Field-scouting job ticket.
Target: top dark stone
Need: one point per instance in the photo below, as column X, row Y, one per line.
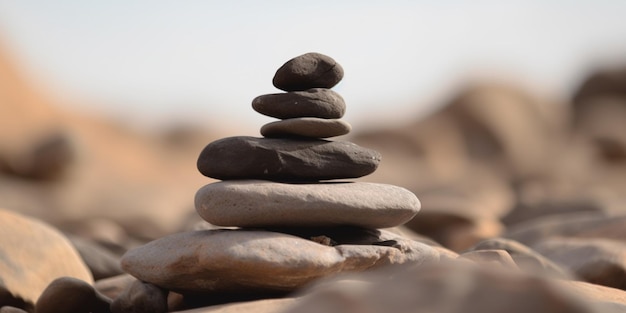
column 310, row 70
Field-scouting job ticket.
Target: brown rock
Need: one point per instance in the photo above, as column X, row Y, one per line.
column 112, row 287
column 526, row 258
column 489, row 258
column 71, row 295
column 32, row 255
column 306, row 71
column 445, row 287
column 101, row 262
column 240, row 261
column 306, row 127
column 140, row 297
column 580, row 225
column 314, row 102
column 598, row 261
column 285, row 159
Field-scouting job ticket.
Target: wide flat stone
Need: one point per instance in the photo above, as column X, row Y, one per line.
column 244, row 261
column 306, row 127
column 245, row 157
column 308, row 71
column 257, row 203
column 315, row 102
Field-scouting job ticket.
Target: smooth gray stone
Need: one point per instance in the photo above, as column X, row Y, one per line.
column 245, row 261
column 258, row 203
column 308, row 71
column 284, row 159
column 311, row 127
column 315, row 102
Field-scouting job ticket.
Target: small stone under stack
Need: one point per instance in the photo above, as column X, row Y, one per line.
column 293, row 224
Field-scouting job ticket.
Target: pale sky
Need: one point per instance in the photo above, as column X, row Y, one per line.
column 204, row 61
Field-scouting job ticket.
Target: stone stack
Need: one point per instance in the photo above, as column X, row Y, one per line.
column 294, row 222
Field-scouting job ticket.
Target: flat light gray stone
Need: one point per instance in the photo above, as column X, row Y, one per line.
column 257, row 203
column 306, row 127
column 282, row 159
column 314, row 102
column 307, row 71
column 244, row 261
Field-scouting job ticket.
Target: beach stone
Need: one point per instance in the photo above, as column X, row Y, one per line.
column 32, row 255
column 243, row 157
column 598, row 261
column 446, row 287
column 102, row 262
column 71, row 295
column 141, row 297
column 491, row 258
column 258, row 203
column 578, row 225
column 526, row 258
column 306, row 127
column 112, row 287
column 249, row 261
column 314, row 102
column 307, row 71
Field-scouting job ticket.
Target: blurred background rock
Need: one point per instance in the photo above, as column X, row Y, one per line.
column 485, row 149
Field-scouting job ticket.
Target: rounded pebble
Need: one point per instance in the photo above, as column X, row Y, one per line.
column 306, row 71
column 306, row 127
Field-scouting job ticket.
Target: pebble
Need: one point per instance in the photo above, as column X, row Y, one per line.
column 306, row 127
column 598, row 261
column 32, row 255
column 258, row 203
column 281, row 159
column 308, row 71
column 450, row 287
column 140, row 297
column 71, row 295
column 243, row 261
column 314, row 102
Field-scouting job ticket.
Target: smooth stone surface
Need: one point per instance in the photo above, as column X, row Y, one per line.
column 243, row 157
column 598, row 261
column 526, row 258
column 491, row 258
column 315, row 102
column 257, row 203
column 306, row 127
column 307, row 71
column 244, row 261
column 443, row 287
column 32, row 255
column 71, row 295
column 102, row 262
column 140, row 297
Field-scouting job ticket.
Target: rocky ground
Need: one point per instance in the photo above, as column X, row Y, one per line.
column 523, row 208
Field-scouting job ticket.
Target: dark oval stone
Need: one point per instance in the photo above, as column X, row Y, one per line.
column 314, row 102
column 306, row 71
column 245, row 157
column 311, row 127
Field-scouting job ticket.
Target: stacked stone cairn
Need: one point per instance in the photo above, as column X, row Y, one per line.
column 292, row 216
